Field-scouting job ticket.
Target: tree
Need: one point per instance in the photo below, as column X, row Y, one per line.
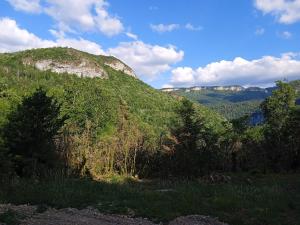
column 291, row 134
column 29, row 133
column 277, row 109
column 188, row 140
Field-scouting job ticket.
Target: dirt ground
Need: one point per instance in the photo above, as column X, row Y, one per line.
column 32, row 215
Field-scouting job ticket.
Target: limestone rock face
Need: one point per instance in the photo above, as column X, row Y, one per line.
column 83, row 69
column 72, row 61
column 119, row 66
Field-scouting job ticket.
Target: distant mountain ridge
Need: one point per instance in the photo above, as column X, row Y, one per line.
column 233, row 88
column 231, row 101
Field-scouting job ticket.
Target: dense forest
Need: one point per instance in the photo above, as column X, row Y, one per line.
column 105, row 124
column 230, row 104
column 97, row 126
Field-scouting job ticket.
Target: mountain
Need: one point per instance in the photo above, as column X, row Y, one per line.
column 230, row 101
column 71, row 61
column 111, row 113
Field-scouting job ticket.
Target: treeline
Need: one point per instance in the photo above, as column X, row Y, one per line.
column 236, row 110
column 275, row 145
column 43, row 134
column 230, row 104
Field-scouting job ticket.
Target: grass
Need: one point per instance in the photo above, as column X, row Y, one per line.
column 272, row 199
column 10, row 217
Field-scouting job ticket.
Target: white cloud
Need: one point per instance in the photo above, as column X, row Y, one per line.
column 107, row 24
column 286, row 35
column 30, row 6
column 147, row 60
column 13, row 38
column 75, row 15
column 81, row 44
column 286, row 11
column 260, row 31
column 240, row 71
column 167, row 86
column 191, row 27
column 183, row 75
column 161, row 28
column 132, row 36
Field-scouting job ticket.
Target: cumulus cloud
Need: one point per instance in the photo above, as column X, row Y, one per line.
column 13, row 38
column 161, row 28
column 191, row 27
column 147, row 60
column 106, row 23
column 286, row 11
column 81, row 44
column 30, row 6
column 75, row 15
column 240, row 71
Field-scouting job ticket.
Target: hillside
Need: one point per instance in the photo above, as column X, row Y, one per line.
column 110, row 110
column 230, row 101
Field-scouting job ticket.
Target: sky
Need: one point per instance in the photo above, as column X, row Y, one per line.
column 178, row 43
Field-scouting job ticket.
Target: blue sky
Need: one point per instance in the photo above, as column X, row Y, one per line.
column 167, row 43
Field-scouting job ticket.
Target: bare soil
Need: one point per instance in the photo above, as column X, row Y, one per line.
column 31, row 215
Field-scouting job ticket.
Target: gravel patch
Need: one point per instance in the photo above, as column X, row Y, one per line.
column 69, row 216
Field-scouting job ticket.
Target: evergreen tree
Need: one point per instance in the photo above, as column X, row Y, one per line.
column 188, row 138
column 29, row 133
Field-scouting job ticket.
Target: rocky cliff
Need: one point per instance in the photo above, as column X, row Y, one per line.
column 71, row 61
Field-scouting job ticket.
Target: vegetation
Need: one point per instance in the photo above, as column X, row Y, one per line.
column 109, row 121
column 246, row 200
column 28, row 135
column 230, row 104
column 60, row 135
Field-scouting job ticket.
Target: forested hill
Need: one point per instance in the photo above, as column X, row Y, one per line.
column 230, row 101
column 109, row 112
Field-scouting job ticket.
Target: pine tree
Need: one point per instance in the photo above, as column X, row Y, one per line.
column 29, row 133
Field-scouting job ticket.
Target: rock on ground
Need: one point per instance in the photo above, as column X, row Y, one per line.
column 195, row 220
column 70, row 216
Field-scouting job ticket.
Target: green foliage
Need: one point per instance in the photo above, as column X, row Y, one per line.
column 277, row 109
column 190, row 150
column 188, row 142
column 95, row 133
column 230, row 104
column 29, row 133
column 272, row 146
